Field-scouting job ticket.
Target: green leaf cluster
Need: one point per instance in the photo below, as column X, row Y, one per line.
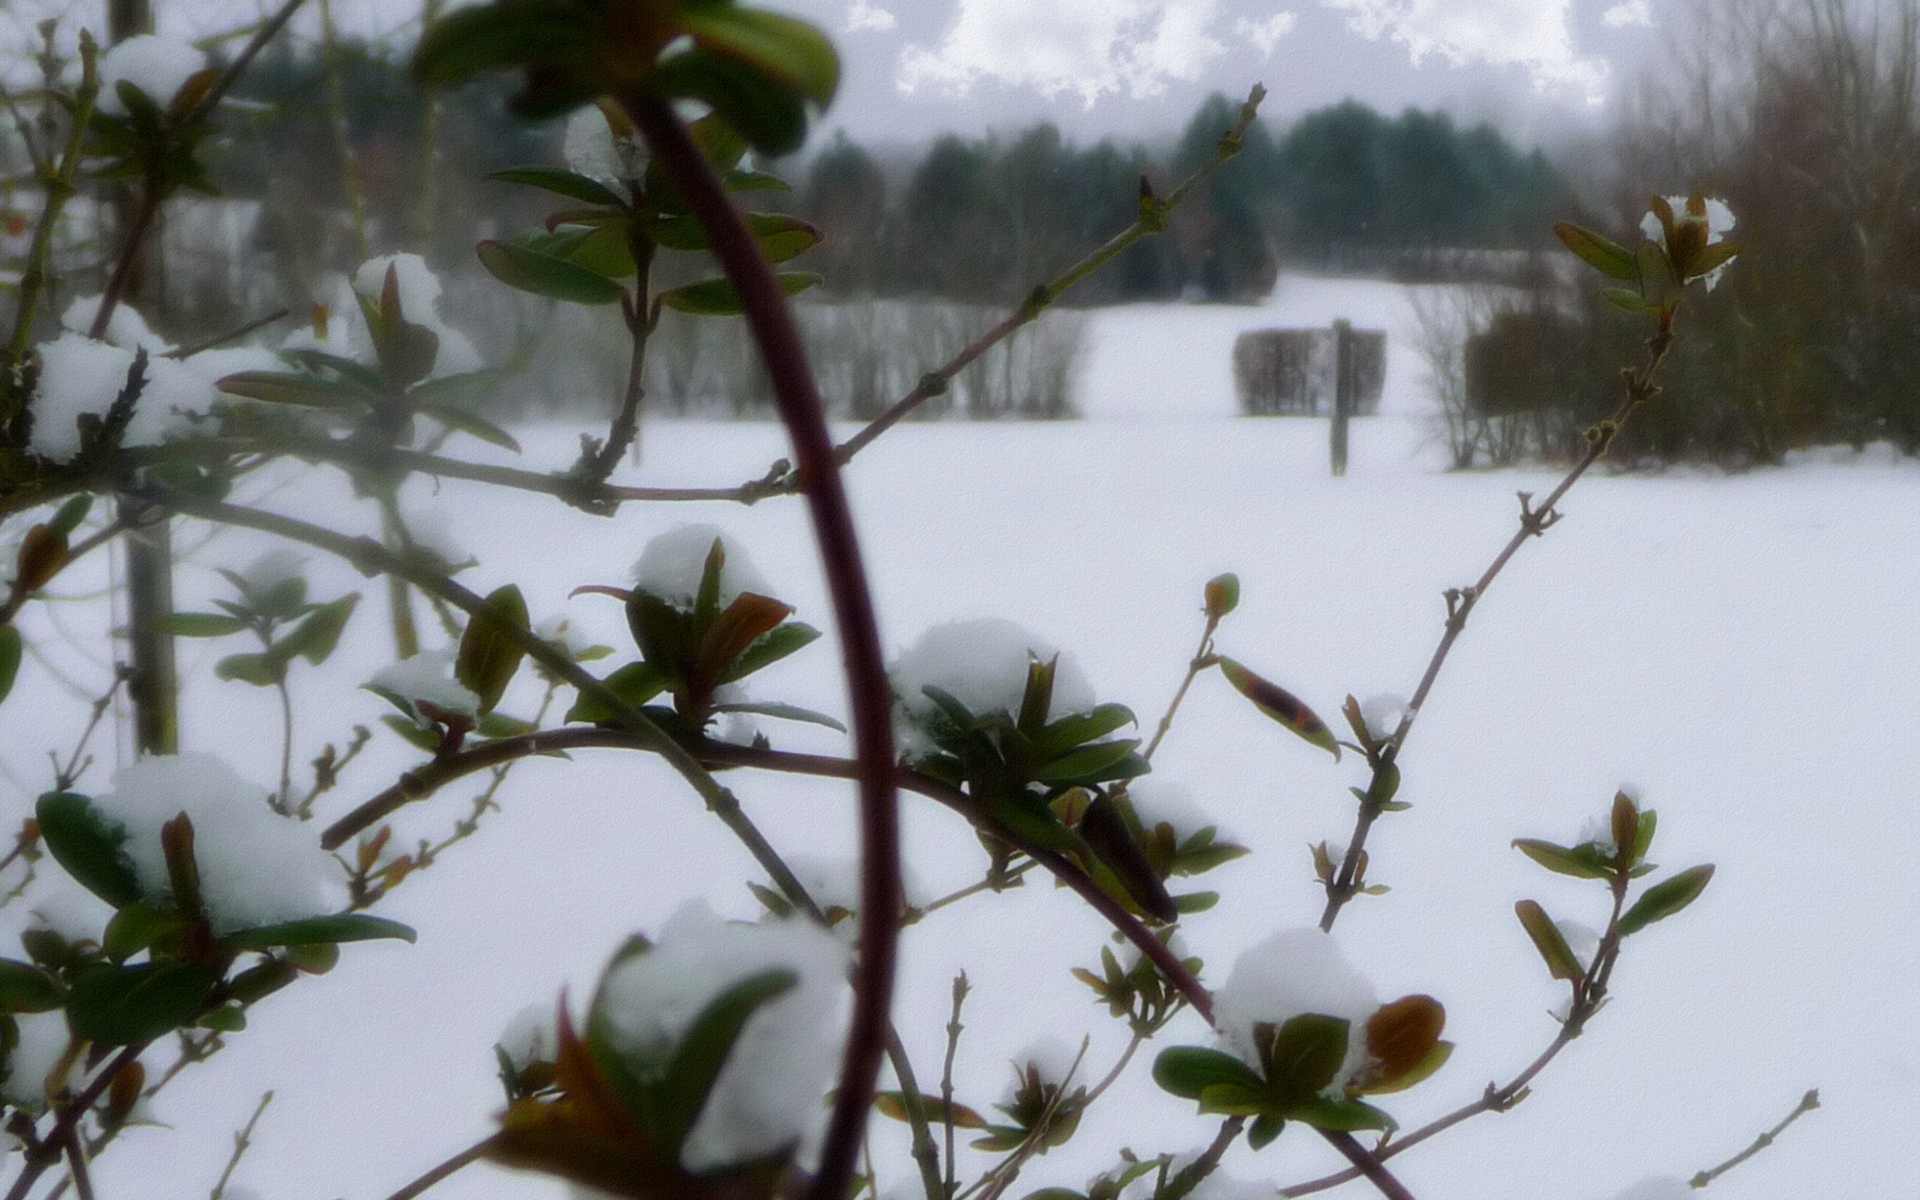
column 1658, row 272
column 584, row 253
column 155, row 145
column 617, row 1123
column 761, row 72
column 186, row 972
column 380, row 401
column 1298, row 1062
column 689, row 653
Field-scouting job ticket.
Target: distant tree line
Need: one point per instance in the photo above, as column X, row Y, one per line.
column 1345, row 187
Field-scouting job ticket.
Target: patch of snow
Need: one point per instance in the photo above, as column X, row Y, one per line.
column 672, row 564
column 1295, row 972
column 428, row 677
column 59, row 904
column 156, row 65
column 79, row 375
column 420, row 292
column 1657, row 1187
column 125, row 328
column 591, row 149
column 1157, row 801
column 530, row 1036
column 273, row 568
column 43, row 1039
column 1582, row 939
column 256, row 867
column 983, row 664
column 1383, row 713
column 768, row 1095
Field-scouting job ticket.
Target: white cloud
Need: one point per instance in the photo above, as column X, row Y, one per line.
column 1633, row 12
column 862, row 15
column 1265, row 35
column 1086, row 48
column 1528, row 33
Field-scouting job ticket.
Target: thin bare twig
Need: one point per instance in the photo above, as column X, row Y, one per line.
column 466, row 1158
column 242, row 1140
column 1807, row 1104
column 1534, row 521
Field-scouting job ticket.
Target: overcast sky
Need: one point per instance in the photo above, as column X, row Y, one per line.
column 1139, row 68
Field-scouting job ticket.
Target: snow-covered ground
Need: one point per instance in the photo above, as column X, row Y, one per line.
column 1743, row 649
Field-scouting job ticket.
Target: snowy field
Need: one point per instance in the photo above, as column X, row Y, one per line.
column 1742, row 649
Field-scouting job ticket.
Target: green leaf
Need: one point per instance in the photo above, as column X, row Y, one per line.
column 1080, row 728
column 1280, row 705
column 466, row 422
column 1599, row 252
column 134, row 928
column 755, row 181
column 488, row 657
column 315, row 638
column 1235, row 1099
column 285, row 387
column 786, row 712
column 716, row 297
column 544, row 275
column 1581, row 862
column 1666, row 898
column 424, row 739
column 199, row 625
column 68, row 516
column 124, row 1006
column 10, row 650
column 781, row 237
column 894, row 1105
column 773, row 646
column 464, row 43
column 1188, row 1071
column 25, row 988
column 606, row 251
column 228, row 1018
column 500, row 725
column 564, row 183
column 1188, row 903
column 260, row 670
column 87, row 847
column 703, row 1052
column 343, row 927
column 1306, row 1054
column 1658, row 286
column 319, row 362
column 1549, row 941
column 636, row 683
column 768, row 115
column 790, row 52
column 1717, row 255
column 1261, row 1133
column 1322, row 1112
column 1098, row 762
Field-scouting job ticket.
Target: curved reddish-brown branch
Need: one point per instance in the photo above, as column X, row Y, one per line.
column 870, row 699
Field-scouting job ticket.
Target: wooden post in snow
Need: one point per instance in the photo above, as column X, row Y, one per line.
column 1344, row 400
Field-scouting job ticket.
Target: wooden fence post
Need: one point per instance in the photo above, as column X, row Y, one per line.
column 1344, row 400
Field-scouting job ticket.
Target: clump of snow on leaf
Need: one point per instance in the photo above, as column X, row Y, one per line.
column 1293, row 973
column 79, row 375
column 428, row 677
column 156, row 65
column 1718, row 222
column 530, row 1037
column 256, row 868
column 982, row 664
column 591, row 149
column 768, row 1095
column 671, row 566
column 125, row 328
column 1158, row 802
column 419, row 290
column 1383, row 713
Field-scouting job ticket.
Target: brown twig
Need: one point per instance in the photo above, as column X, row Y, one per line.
column 242, row 1140
column 466, row 1158
column 54, row 1144
column 1534, row 521
column 1807, row 1104
column 1190, row 1176
column 871, row 701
